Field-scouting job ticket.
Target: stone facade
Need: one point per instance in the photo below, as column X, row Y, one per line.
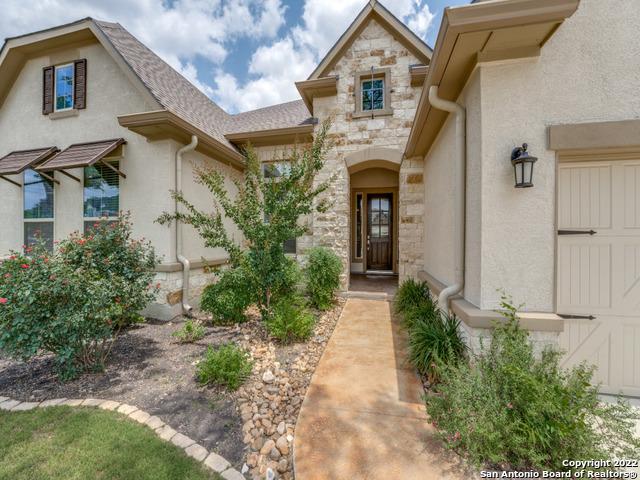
column 375, row 47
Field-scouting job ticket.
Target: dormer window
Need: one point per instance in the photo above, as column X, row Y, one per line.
column 373, row 93
column 64, row 87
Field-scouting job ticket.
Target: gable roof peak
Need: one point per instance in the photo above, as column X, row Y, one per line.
column 373, row 10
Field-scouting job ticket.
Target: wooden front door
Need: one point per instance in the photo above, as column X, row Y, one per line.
column 379, row 231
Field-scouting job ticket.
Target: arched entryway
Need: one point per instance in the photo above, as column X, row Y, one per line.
column 373, row 179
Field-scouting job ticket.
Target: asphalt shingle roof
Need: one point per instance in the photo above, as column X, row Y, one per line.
column 179, row 96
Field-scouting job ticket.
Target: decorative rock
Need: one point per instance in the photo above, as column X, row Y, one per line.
column 216, row 462
column 268, row 377
column 275, row 454
column 257, row 443
column 109, row 405
column 232, row 474
column 139, row 416
column 166, row 432
column 25, row 406
column 196, row 451
column 3, row 399
column 282, row 445
column 154, row 422
column 281, row 428
column 270, row 474
column 72, row 402
column 91, row 402
column 126, row 409
column 52, row 402
column 283, row 465
column 182, row 441
column 266, row 448
column 244, row 469
column 252, row 459
column 8, row 404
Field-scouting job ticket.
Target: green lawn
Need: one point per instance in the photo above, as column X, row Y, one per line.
column 86, row 443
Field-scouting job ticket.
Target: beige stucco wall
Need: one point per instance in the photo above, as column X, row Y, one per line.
column 580, row 76
column 109, row 93
column 374, row 47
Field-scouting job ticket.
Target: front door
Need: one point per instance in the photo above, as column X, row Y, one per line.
column 379, row 232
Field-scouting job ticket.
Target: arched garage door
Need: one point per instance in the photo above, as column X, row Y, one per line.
column 599, row 269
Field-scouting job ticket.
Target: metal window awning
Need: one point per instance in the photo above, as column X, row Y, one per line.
column 18, row 161
column 81, row 155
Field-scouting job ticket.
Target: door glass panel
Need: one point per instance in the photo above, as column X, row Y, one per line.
column 384, row 231
column 375, row 218
column 384, row 218
column 384, row 204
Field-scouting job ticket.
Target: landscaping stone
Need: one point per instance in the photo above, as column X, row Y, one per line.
column 126, row 409
column 232, row 474
column 91, row 402
column 109, row 405
column 25, row 406
column 270, row 400
column 166, row 432
column 196, row 451
column 182, row 441
column 8, row 404
column 216, row 462
column 52, row 403
column 72, row 402
column 154, row 422
column 2, row 399
column 139, row 416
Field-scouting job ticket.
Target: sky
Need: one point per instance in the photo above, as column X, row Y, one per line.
column 244, row 54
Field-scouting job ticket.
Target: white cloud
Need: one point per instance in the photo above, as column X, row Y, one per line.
column 276, row 67
column 179, row 31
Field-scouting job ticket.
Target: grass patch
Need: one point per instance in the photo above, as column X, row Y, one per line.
column 64, row 443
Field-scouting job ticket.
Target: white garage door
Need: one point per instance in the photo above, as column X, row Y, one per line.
column 599, row 269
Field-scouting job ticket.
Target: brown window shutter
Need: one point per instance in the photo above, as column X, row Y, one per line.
column 47, row 90
column 80, row 84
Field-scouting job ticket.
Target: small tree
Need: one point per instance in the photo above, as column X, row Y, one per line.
column 266, row 211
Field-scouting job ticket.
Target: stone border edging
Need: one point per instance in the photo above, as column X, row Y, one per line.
column 192, row 449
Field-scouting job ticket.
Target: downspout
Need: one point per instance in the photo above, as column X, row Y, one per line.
column 460, row 201
column 186, row 265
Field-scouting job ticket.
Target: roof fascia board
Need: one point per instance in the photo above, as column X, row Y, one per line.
column 321, row 87
column 275, row 136
column 168, row 119
column 478, row 17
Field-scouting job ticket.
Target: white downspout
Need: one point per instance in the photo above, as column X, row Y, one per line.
column 186, row 265
column 460, row 199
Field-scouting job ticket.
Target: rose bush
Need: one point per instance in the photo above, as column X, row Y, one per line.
column 73, row 303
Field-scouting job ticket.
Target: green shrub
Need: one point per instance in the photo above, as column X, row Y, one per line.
column 434, row 340
column 110, row 253
column 290, row 321
column 228, row 366
column 323, row 276
column 512, row 409
column 228, row 298
column 411, row 294
column 72, row 303
column 191, row 331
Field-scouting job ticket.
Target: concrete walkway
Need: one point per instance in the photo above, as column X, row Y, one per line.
column 362, row 417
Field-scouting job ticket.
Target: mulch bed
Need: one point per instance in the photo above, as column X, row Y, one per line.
column 150, row 369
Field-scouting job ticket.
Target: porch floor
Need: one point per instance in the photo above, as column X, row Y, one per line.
column 373, row 284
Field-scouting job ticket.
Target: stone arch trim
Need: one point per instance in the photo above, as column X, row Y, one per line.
column 374, row 157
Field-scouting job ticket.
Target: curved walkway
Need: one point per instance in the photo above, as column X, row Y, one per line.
column 211, row 460
column 363, row 417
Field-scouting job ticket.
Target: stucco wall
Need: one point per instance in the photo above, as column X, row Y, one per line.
column 374, row 47
column 109, row 93
column 582, row 75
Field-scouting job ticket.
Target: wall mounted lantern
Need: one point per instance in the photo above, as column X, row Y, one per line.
column 523, row 166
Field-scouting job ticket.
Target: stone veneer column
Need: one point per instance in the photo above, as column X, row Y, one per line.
column 411, row 206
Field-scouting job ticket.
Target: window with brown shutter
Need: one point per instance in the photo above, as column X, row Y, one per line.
column 47, row 90
column 80, row 84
